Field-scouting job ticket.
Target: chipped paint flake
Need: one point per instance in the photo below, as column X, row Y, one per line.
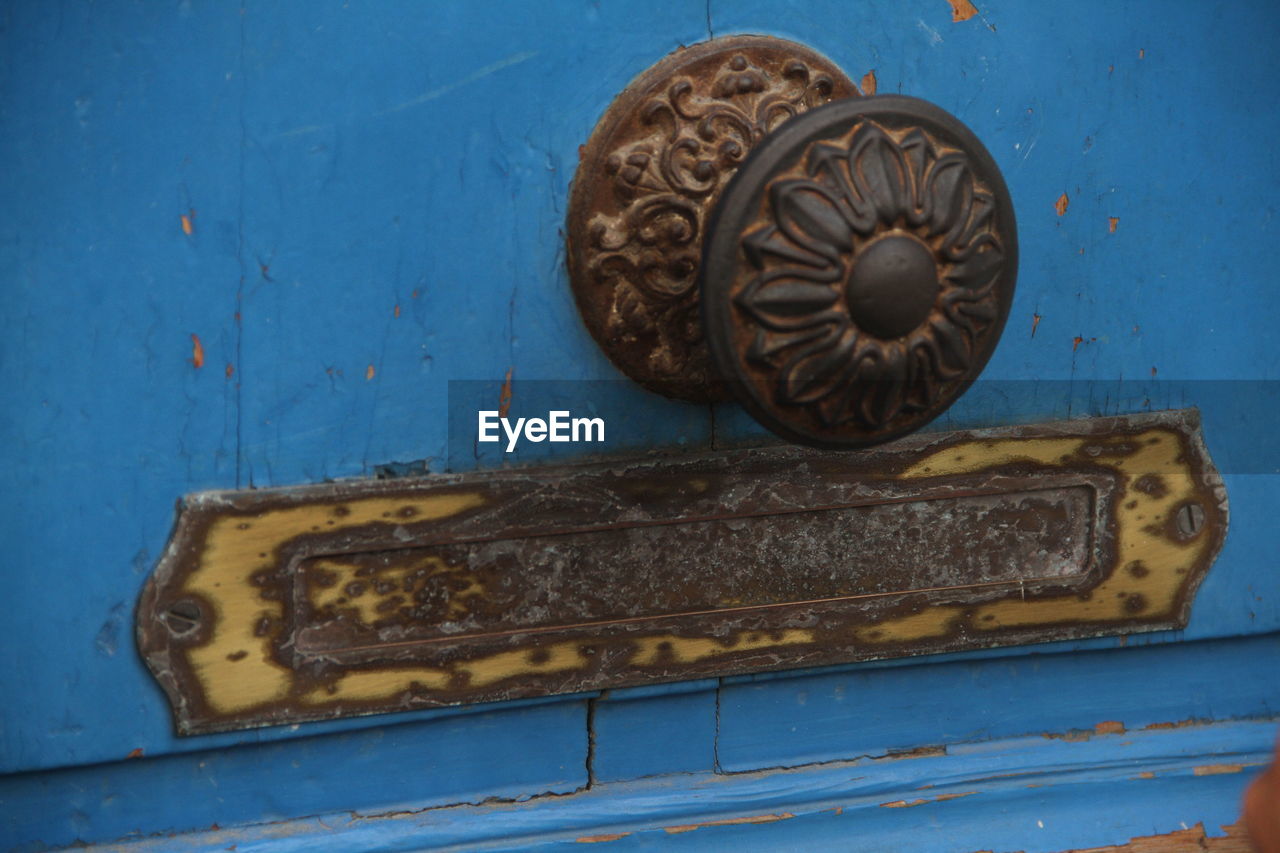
column 1218, row 769
column 1112, row 223
column 369, row 372
column 188, row 221
column 868, row 84
column 504, row 396
column 961, row 10
column 596, row 839
column 1061, row 204
column 197, row 351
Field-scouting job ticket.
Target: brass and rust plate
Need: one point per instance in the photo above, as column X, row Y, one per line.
column 309, row 603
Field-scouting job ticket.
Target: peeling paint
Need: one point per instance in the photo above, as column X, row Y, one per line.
column 596, row 839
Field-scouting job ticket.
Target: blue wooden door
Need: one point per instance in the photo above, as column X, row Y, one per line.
column 261, row 244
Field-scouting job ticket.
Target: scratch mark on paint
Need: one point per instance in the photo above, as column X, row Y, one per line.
column 188, row 222
column 594, row 839
column 903, row 804
column 961, row 10
column 935, row 38
column 1061, row 204
column 369, row 372
column 868, row 84
column 479, row 74
column 197, row 351
column 1112, row 222
column 761, row 818
column 504, row 397
column 1035, row 323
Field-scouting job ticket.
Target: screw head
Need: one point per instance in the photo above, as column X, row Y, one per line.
column 1189, row 518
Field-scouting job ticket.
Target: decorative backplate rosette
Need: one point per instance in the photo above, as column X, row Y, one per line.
column 647, row 180
column 859, row 270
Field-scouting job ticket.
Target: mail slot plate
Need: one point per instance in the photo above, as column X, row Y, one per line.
column 277, row 606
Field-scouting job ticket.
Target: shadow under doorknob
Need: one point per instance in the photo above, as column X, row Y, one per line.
column 743, row 223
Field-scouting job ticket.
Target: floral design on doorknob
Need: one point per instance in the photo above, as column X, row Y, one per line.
column 648, row 180
column 875, row 277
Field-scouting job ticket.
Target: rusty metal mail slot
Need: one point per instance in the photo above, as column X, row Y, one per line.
column 317, row 602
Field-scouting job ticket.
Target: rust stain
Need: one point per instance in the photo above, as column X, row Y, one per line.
column 395, row 312
column 369, row 372
column 504, row 397
column 868, row 84
column 903, row 804
column 961, row 10
column 1061, row 204
column 188, row 222
column 229, row 371
column 135, row 753
column 1035, row 322
column 1112, row 222
column 731, row 821
column 1217, row 769
column 596, row 839
column 197, row 351
column 1076, row 342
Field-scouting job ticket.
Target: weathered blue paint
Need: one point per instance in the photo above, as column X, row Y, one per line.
column 1033, row 794
column 648, row 731
column 788, row 722
column 336, row 162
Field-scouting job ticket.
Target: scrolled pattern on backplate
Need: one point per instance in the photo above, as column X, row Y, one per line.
column 661, row 157
column 872, row 278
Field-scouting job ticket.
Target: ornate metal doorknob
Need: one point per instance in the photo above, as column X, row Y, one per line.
column 743, row 221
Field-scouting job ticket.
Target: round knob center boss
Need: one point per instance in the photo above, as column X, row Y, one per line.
column 743, row 220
